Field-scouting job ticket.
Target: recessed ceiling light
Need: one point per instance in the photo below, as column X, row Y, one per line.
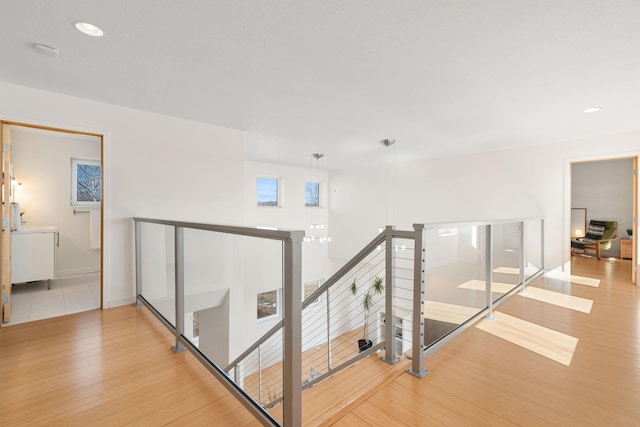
column 591, row 110
column 88, row 29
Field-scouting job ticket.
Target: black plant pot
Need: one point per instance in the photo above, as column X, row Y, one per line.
column 364, row 344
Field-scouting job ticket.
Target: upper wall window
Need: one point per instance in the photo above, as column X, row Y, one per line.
column 267, row 193
column 312, row 194
column 86, row 182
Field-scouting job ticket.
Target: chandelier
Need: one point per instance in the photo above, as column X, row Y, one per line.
column 312, row 202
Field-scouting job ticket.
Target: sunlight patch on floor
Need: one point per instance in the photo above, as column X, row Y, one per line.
column 580, row 280
column 515, row 270
column 551, row 297
column 480, row 285
column 558, row 298
column 543, row 341
column 449, row 313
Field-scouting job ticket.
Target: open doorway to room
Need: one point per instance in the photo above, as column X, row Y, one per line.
column 605, row 190
column 52, row 222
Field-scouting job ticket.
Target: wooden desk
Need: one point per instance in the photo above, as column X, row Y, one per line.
column 626, row 246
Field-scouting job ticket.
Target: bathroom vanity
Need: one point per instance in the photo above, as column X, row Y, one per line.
column 33, row 254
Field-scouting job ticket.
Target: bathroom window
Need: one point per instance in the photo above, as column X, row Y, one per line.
column 86, row 182
column 267, row 192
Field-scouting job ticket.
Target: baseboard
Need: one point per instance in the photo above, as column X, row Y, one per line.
column 120, row 302
column 76, row 271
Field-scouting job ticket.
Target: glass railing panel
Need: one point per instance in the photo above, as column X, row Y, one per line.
column 533, row 247
column 506, row 257
column 455, row 277
column 158, row 268
column 232, row 292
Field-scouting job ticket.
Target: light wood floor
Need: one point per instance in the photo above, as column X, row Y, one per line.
column 479, row 379
column 114, row 367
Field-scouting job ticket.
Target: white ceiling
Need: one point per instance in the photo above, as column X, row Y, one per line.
column 442, row 77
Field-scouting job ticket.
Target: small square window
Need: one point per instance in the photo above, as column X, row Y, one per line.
column 267, row 192
column 86, row 182
column 312, row 194
column 267, row 304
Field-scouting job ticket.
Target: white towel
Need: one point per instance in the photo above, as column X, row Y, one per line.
column 16, row 223
column 94, row 229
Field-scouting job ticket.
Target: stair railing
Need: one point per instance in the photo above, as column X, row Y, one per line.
column 463, row 271
column 438, row 279
column 332, row 317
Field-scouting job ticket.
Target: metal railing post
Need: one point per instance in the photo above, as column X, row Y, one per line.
column 292, row 387
column 390, row 315
column 329, row 346
column 417, row 339
column 542, row 243
column 260, row 375
column 179, row 272
column 522, row 260
column 489, row 270
column 138, row 242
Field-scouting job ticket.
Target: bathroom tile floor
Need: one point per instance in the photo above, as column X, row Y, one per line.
column 68, row 294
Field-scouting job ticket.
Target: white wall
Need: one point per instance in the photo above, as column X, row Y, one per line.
column 504, row 184
column 292, row 214
column 605, row 189
column 42, row 163
column 155, row 166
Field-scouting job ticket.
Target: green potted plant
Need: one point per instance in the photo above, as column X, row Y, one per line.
column 630, row 232
column 367, row 301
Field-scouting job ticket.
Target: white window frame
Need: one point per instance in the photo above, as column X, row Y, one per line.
column 278, row 191
column 75, row 162
column 319, row 193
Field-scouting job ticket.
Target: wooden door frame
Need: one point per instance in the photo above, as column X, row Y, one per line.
column 5, row 265
column 5, row 243
column 566, row 265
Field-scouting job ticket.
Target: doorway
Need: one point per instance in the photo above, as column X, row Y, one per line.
column 605, row 189
column 55, row 189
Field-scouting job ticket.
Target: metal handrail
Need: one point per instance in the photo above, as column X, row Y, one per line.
column 431, row 225
column 260, row 232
